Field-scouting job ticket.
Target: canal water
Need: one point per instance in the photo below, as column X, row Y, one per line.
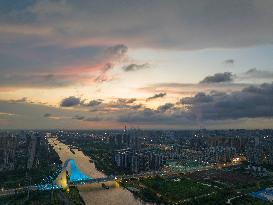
column 94, row 194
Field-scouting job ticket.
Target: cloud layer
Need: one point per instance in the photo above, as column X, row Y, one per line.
column 97, row 57
column 85, row 35
column 175, row 24
column 219, row 78
column 253, row 102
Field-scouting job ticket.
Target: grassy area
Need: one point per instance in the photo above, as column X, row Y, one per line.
column 176, row 190
column 183, row 190
column 169, row 191
column 218, row 198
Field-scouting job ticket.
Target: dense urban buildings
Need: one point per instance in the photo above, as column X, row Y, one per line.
column 154, row 146
column 212, row 156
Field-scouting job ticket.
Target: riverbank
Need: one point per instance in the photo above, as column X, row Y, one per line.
column 100, row 153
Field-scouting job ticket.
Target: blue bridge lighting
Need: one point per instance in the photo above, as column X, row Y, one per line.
column 75, row 174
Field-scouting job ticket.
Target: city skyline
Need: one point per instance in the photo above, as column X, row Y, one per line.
column 157, row 64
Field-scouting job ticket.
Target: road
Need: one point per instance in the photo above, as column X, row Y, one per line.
column 8, row 192
column 100, row 180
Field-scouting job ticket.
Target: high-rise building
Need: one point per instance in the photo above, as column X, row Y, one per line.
column 8, row 144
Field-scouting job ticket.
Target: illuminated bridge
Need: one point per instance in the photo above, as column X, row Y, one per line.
column 69, row 174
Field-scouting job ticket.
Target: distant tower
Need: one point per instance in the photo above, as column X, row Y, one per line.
column 125, row 129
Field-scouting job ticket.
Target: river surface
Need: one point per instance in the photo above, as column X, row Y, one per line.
column 94, row 194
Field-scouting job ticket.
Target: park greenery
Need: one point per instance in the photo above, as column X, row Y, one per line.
column 184, row 190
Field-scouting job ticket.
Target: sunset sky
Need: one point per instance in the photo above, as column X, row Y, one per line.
column 175, row 64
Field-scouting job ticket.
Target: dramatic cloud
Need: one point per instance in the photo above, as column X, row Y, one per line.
column 159, row 95
column 172, row 24
column 135, row 67
column 251, row 102
column 70, row 101
column 71, row 35
column 96, row 48
column 99, row 105
column 219, row 78
column 61, row 68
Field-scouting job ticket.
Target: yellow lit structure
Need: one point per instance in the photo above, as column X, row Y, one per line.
column 61, row 180
column 117, row 185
